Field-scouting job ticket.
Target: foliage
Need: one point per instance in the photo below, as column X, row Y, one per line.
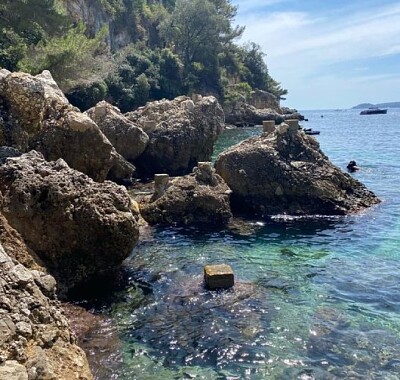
column 177, row 47
column 70, row 58
column 87, row 96
column 24, row 23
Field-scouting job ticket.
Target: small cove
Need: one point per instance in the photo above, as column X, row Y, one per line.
column 315, row 298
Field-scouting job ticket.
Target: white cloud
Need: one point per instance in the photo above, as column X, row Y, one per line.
column 249, row 5
column 301, row 45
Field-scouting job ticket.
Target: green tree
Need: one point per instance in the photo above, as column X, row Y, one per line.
column 197, row 30
column 71, row 58
column 24, row 23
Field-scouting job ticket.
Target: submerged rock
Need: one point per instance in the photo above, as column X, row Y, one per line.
column 36, row 341
column 285, row 172
column 199, row 198
column 181, row 134
column 36, row 115
column 78, row 227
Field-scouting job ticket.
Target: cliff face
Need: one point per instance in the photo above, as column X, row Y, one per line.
column 94, row 16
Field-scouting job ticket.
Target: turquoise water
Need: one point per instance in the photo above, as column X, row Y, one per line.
column 316, row 299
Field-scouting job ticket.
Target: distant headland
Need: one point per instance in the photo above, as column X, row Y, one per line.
column 380, row 105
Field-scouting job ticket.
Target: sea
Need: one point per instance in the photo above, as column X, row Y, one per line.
column 313, row 299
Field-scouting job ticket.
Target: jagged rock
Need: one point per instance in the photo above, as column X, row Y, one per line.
column 36, row 115
column 242, row 114
column 181, row 133
column 79, row 228
column 35, row 338
column 16, row 248
column 7, row 151
column 286, row 172
column 198, row 198
column 128, row 139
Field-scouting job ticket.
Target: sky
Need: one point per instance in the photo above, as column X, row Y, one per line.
column 329, row 54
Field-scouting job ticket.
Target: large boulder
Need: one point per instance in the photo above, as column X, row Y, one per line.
column 199, row 198
column 286, row 172
column 181, row 133
column 36, row 341
column 242, row 114
column 80, row 228
column 128, row 139
column 35, row 114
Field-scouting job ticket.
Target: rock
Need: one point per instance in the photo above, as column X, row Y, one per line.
column 242, row 114
column 46, row 283
column 286, row 172
column 128, row 139
column 218, row 276
column 12, row 370
column 184, row 134
column 16, row 248
column 263, row 99
column 35, row 338
column 79, row 228
column 37, row 115
column 198, row 198
column 7, row 151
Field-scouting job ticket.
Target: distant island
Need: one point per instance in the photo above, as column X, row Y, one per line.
column 380, row 105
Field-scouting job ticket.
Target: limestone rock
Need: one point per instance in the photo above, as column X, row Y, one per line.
column 184, row 134
column 128, row 139
column 35, row 114
column 79, row 228
column 286, row 172
column 243, row 114
column 35, row 338
column 191, row 199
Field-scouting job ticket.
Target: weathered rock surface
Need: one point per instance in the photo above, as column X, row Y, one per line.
column 181, row 133
column 35, row 338
column 242, row 114
column 286, row 172
column 79, row 228
column 128, row 139
column 198, row 198
column 35, row 114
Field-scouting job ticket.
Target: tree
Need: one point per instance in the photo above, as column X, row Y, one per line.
column 71, row 58
column 197, row 31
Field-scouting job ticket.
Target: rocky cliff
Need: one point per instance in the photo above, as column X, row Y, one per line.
column 95, row 16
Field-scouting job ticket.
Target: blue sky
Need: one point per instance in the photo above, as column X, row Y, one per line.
column 328, row 53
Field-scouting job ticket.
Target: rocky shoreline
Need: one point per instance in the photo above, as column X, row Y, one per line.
column 66, row 221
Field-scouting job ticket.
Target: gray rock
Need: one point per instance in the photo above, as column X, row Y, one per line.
column 286, row 172
column 192, row 199
column 7, row 328
column 128, row 139
column 20, row 275
column 38, row 116
column 78, row 227
column 46, row 283
column 23, row 333
column 12, row 370
column 184, row 134
column 243, row 114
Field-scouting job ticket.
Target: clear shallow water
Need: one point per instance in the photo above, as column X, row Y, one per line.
column 317, row 299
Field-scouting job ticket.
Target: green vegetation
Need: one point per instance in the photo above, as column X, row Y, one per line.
column 176, row 47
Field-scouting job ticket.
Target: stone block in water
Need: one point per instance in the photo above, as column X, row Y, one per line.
column 218, row 276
